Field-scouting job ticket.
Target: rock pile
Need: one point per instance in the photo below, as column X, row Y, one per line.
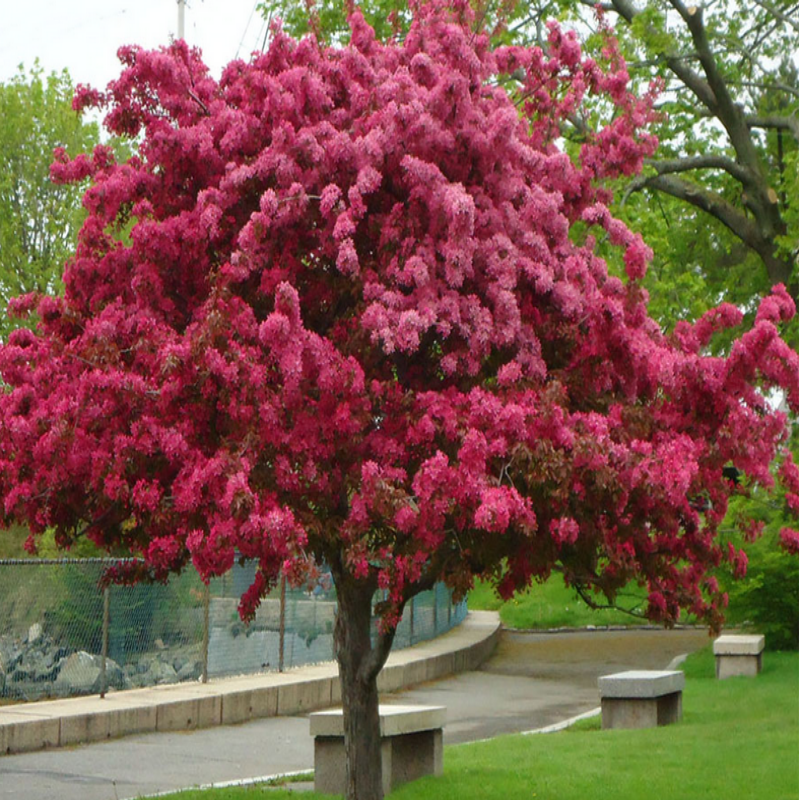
column 36, row 666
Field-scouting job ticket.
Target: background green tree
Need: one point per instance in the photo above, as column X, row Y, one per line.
column 38, row 219
column 718, row 202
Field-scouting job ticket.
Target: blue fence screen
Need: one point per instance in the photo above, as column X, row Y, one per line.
column 61, row 635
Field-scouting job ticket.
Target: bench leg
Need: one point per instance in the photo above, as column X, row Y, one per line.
column 329, row 765
column 415, row 755
column 670, row 708
column 329, row 774
column 730, row 666
column 628, row 713
column 403, row 758
column 622, row 712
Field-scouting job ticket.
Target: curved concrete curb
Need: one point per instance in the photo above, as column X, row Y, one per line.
column 57, row 723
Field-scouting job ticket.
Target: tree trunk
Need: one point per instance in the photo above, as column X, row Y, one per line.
column 359, row 664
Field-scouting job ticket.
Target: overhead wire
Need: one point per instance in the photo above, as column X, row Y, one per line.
column 246, row 27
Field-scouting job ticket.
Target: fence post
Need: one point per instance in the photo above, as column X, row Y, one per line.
column 104, row 650
column 282, row 623
column 206, row 604
column 449, row 595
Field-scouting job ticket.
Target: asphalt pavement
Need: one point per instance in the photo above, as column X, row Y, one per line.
column 533, row 680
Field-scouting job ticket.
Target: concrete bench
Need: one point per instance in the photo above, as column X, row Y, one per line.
column 411, row 746
column 641, row 698
column 738, row 655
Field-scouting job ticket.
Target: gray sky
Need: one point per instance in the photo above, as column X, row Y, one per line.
column 83, row 35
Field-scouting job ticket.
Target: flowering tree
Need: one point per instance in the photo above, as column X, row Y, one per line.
column 345, row 307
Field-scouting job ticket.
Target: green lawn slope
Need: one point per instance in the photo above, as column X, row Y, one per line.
column 554, row 605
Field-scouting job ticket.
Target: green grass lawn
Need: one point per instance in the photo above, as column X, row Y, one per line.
column 738, row 739
column 554, row 605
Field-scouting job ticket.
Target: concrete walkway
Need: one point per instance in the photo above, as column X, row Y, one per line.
column 531, row 681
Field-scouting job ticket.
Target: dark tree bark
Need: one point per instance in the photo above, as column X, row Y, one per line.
column 360, row 660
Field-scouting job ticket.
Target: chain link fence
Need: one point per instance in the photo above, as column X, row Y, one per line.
column 61, row 635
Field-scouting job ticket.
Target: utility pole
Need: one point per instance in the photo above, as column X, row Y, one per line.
column 181, row 8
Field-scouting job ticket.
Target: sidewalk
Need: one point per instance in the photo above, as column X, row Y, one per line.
column 189, row 706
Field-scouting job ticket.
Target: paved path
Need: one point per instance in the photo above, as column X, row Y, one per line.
column 533, row 680
column 537, row 679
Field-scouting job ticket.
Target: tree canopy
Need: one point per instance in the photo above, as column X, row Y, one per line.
column 346, row 305
column 719, row 198
column 39, row 219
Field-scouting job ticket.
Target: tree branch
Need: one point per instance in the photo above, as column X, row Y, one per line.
column 199, row 103
column 771, row 87
column 663, row 167
column 581, row 592
column 376, row 658
column 775, row 122
column 728, row 113
column 777, row 14
column 689, row 192
column 743, row 226
column 676, row 62
column 767, row 121
column 602, row 6
column 757, row 230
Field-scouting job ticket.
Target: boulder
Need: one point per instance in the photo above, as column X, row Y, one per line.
column 35, row 666
column 161, row 672
column 179, row 661
column 34, row 633
column 10, row 653
column 190, row 671
column 80, row 674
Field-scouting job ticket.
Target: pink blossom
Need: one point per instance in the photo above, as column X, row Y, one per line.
column 565, row 531
column 789, row 540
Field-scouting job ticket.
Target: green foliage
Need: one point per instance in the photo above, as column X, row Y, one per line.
column 38, row 220
column 650, row 28
column 12, row 541
column 767, row 597
column 328, row 18
column 697, row 264
column 24, row 596
column 553, row 605
column 749, row 43
column 698, row 261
